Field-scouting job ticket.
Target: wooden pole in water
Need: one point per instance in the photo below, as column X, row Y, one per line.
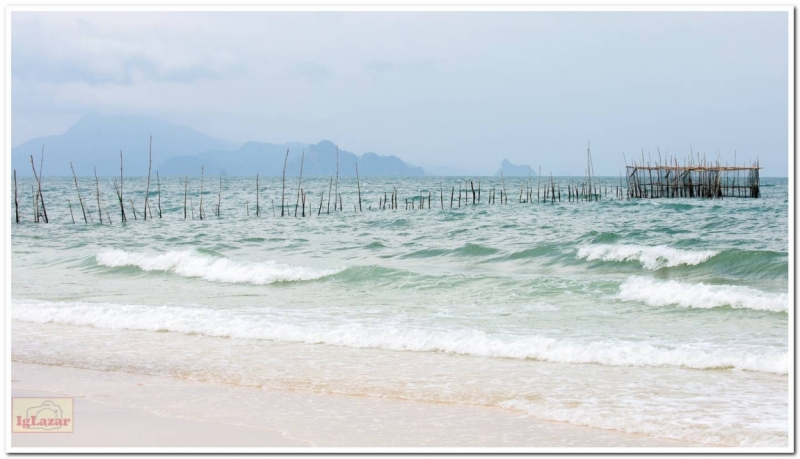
column 202, row 173
column 40, row 197
column 358, row 182
column 97, row 185
column 185, row 194
column 35, row 202
column 147, row 189
column 337, row 182
column 158, row 180
column 133, row 207
column 472, row 185
column 219, row 198
column 300, row 183
column 120, row 191
column 322, row 198
column 108, row 216
column 283, row 181
column 257, row 200
column 330, row 184
column 70, row 211
column 80, row 200
column 16, row 197
column 539, row 183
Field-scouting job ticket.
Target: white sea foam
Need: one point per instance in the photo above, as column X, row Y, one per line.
column 680, row 424
column 666, row 293
column 654, row 257
column 466, row 341
column 188, row 263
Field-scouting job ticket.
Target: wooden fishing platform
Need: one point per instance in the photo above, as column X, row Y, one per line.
column 711, row 181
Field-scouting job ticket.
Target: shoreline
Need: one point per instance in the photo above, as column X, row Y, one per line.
column 116, row 409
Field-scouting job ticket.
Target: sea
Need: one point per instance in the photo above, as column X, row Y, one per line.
column 668, row 318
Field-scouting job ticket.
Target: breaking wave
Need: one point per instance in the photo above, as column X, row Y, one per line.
column 666, row 293
column 464, row 341
column 650, row 257
column 189, row 263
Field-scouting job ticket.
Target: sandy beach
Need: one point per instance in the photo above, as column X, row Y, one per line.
column 114, row 409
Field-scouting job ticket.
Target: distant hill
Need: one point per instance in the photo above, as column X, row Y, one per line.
column 513, row 170
column 267, row 159
column 97, row 140
column 179, row 151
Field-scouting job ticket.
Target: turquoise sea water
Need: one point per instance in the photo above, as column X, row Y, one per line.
column 666, row 317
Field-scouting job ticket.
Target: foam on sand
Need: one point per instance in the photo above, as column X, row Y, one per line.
column 464, row 341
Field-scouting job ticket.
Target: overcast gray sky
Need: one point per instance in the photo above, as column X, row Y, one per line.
column 457, row 89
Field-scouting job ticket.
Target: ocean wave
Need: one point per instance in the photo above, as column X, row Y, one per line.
column 668, row 293
column 190, row 263
column 463, row 341
column 652, row 258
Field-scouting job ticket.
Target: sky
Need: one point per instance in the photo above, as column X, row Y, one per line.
column 461, row 90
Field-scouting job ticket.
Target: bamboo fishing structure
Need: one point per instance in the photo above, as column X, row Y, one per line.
column 648, row 178
column 703, row 179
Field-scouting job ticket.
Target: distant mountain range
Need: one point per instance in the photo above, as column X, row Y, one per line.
column 514, row 170
column 96, row 141
column 318, row 160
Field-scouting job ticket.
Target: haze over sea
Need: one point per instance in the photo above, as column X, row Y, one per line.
column 665, row 317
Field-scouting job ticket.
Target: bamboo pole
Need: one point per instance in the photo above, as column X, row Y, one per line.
column 80, row 200
column 219, row 198
column 16, row 197
column 330, row 184
column 149, row 167
column 185, row 195
column 300, row 183
column 358, row 182
column 97, row 185
column 158, row 181
column 200, row 209
column 70, row 211
column 35, row 201
column 121, row 190
column 337, row 182
column 39, row 196
column 133, row 207
column 283, row 181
